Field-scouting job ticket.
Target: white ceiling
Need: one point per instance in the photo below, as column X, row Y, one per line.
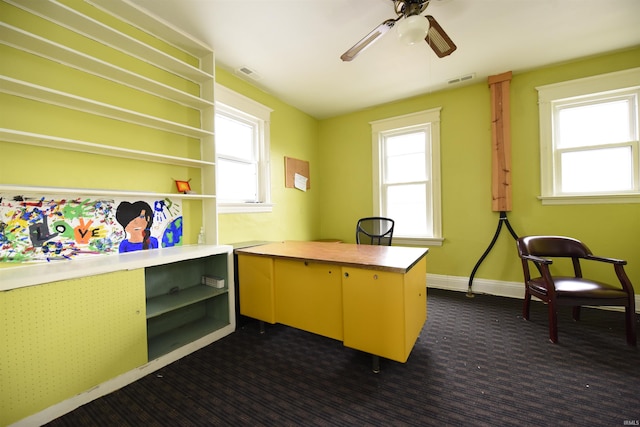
column 295, row 45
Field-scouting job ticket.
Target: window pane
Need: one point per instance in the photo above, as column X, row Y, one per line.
column 597, row 170
column 594, row 124
column 407, row 206
column 243, row 185
column 234, row 138
column 405, row 158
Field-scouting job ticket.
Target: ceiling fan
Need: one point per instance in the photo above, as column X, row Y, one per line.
column 412, row 28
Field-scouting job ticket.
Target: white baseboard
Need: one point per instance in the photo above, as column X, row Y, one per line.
column 491, row 287
column 479, row 286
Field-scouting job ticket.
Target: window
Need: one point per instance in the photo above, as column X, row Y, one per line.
column 589, row 139
column 242, row 153
column 406, row 176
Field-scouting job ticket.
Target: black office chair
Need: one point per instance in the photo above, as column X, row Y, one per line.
column 374, row 230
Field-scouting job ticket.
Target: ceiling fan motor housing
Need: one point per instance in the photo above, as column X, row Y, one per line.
column 408, row 8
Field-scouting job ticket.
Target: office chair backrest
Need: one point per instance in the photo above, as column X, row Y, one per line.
column 552, row 246
column 374, row 230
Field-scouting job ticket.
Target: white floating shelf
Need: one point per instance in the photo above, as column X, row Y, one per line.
column 28, row 42
column 60, row 14
column 29, row 138
column 24, row 189
column 39, row 93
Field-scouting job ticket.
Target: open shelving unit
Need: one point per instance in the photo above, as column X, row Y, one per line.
column 158, row 62
column 201, row 74
column 181, row 309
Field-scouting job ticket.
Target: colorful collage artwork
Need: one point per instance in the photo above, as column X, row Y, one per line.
column 48, row 228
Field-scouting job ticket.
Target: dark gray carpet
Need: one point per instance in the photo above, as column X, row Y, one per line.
column 477, row 363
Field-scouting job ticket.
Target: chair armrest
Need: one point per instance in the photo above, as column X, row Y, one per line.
column 605, row 259
column 537, row 259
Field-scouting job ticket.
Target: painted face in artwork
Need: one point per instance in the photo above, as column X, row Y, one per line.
column 136, row 227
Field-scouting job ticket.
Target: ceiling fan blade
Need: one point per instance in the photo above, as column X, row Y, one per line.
column 439, row 41
column 368, row 39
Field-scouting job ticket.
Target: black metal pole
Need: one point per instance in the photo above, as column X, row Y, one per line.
column 503, row 219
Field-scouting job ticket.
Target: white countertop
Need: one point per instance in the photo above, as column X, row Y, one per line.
column 30, row 274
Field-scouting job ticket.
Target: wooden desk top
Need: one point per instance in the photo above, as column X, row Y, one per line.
column 397, row 259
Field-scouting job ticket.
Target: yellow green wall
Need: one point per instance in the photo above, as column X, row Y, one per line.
column 295, row 213
column 468, row 221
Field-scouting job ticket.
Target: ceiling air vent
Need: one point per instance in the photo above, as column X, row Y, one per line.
column 248, row 72
column 461, row 78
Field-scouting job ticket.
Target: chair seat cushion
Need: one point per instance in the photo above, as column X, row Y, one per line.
column 578, row 288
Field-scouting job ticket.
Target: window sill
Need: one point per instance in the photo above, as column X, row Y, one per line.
column 590, row 199
column 417, row 241
column 236, row 208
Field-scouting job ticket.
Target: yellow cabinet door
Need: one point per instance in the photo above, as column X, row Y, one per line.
column 415, row 302
column 384, row 311
column 309, row 297
column 60, row 339
column 255, row 276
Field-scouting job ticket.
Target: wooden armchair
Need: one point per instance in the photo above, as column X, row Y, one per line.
column 572, row 290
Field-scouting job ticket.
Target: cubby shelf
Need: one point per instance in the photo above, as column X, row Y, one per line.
column 165, row 303
column 183, row 335
column 179, row 307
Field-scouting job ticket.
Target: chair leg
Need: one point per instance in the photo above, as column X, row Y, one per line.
column 526, row 305
column 553, row 323
column 576, row 313
column 630, row 320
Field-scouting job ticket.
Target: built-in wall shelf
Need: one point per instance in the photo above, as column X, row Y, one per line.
column 141, row 18
column 28, row 42
column 25, row 189
column 65, row 16
column 196, row 66
column 47, row 95
column 30, row 138
column 76, row 42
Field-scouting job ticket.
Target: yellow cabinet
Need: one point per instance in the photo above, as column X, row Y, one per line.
column 309, row 296
column 62, row 338
column 384, row 311
column 256, row 291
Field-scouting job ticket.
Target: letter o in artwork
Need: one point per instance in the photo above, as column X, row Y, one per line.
column 61, row 228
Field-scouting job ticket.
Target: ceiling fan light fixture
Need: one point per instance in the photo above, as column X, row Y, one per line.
column 412, row 29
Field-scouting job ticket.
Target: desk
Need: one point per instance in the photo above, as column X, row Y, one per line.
column 372, row 298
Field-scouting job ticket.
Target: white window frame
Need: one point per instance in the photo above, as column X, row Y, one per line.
column 429, row 121
column 550, row 98
column 232, row 102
